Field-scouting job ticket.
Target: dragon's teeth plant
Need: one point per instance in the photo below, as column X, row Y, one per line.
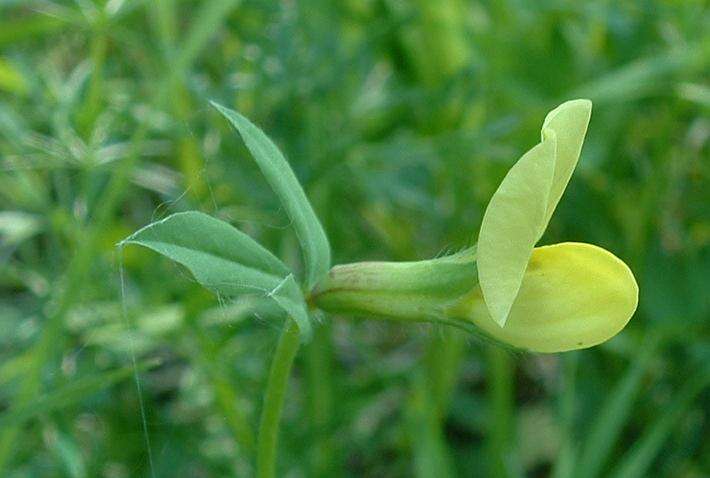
column 545, row 299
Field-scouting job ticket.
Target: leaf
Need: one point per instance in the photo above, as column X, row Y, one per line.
column 224, row 260
column 69, row 453
column 208, row 22
column 283, row 181
column 221, row 258
column 511, row 227
column 290, row 298
column 11, row 80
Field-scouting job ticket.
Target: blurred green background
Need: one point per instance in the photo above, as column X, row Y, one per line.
column 400, row 118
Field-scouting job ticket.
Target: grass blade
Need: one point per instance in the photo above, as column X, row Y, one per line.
column 615, row 413
column 208, row 20
column 637, row 461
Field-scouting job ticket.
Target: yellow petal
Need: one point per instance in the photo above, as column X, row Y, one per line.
column 511, row 227
column 569, row 122
column 520, row 209
column 573, row 296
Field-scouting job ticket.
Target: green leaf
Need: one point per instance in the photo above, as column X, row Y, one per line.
column 224, row 260
column 17, row 226
column 290, row 298
column 220, row 257
column 283, row 181
column 11, row 79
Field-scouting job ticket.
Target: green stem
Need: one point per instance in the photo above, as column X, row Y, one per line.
column 274, row 401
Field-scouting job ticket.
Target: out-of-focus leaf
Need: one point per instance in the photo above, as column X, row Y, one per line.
column 69, row 394
column 68, row 452
column 643, row 76
column 11, row 79
column 16, row 226
column 211, row 15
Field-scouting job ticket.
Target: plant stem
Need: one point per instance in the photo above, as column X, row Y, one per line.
column 274, row 399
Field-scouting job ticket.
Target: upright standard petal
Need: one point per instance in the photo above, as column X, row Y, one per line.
column 569, row 121
column 511, row 226
column 573, row 296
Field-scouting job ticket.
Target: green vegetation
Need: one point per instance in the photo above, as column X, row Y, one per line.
column 399, row 120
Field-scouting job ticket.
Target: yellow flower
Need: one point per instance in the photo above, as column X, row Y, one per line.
column 553, row 298
column 546, row 299
column 572, row 296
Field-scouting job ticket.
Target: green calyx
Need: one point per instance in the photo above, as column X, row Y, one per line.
column 406, row 291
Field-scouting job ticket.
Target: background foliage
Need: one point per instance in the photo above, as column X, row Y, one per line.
column 400, row 118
